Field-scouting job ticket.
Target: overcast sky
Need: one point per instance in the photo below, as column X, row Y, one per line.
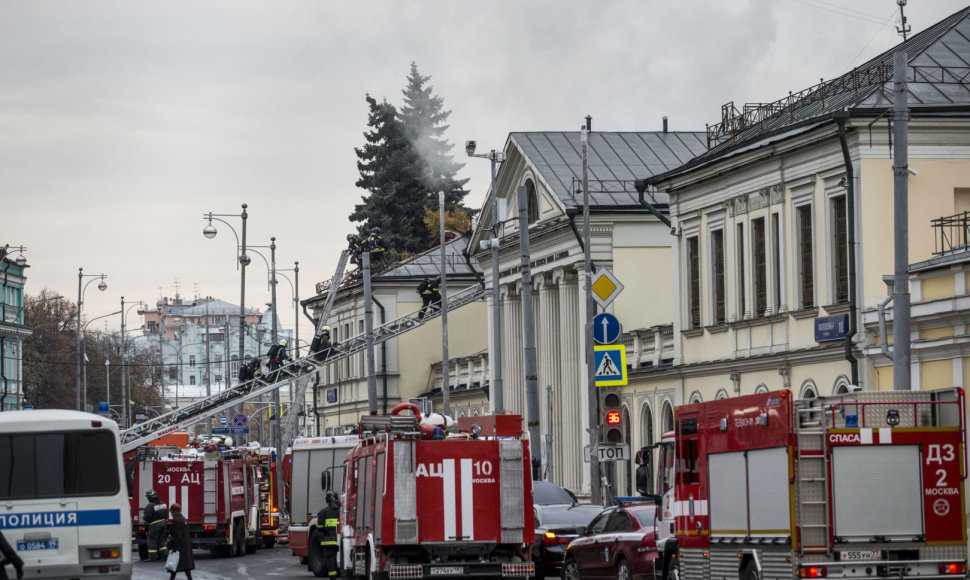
column 122, row 123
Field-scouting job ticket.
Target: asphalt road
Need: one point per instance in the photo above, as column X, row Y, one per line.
column 277, row 562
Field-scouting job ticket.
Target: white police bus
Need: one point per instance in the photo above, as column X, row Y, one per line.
column 63, row 499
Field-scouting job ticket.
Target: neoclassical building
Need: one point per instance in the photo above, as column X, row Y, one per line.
column 625, row 237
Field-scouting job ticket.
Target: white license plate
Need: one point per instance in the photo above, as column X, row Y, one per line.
column 857, row 555
column 446, row 571
column 41, row 545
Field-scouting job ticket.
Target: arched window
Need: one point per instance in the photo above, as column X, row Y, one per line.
column 809, row 390
column 668, row 416
column 721, row 394
column 841, row 385
column 646, row 425
column 695, row 397
column 533, row 201
column 761, row 388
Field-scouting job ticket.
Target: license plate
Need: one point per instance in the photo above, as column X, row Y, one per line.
column 41, row 545
column 857, row 555
column 446, row 571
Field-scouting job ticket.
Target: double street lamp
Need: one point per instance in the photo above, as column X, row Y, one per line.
column 102, row 286
column 495, row 357
column 242, row 260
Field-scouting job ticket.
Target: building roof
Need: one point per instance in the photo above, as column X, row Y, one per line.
column 938, row 80
column 614, row 161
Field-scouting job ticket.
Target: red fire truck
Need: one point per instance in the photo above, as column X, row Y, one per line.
column 217, row 489
column 420, row 503
column 860, row 485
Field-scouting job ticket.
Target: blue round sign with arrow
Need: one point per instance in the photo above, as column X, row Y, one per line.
column 606, row 328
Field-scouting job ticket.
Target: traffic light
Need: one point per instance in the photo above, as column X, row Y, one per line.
column 614, row 427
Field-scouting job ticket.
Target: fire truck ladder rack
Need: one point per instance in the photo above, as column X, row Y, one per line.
column 386, row 331
column 810, row 487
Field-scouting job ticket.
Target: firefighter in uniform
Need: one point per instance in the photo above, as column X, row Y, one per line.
column 327, row 520
column 436, row 295
column 424, row 290
column 156, row 518
column 277, row 357
column 321, row 345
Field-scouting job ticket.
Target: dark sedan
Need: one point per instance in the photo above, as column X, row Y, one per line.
column 556, row 526
column 620, row 543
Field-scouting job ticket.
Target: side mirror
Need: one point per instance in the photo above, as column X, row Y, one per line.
column 325, row 480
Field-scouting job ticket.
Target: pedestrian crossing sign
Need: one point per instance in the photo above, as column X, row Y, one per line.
column 609, row 361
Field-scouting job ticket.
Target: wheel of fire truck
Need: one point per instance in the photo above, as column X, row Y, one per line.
column 751, row 571
column 238, row 539
column 570, row 570
column 623, row 570
column 673, row 567
column 269, row 541
column 314, row 558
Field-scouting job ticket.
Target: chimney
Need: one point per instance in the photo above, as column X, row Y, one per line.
column 665, row 123
column 589, row 123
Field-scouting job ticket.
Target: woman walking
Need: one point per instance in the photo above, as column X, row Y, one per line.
column 181, row 542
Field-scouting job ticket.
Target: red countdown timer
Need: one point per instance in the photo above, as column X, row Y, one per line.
column 613, row 418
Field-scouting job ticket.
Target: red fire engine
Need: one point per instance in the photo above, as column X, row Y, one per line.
column 860, row 485
column 217, row 489
column 420, row 503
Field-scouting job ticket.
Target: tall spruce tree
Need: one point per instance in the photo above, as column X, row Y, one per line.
column 425, row 119
column 391, row 171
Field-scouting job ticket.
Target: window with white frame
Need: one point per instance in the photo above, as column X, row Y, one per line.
column 759, row 266
column 693, row 282
column 718, row 288
column 806, row 261
column 840, row 250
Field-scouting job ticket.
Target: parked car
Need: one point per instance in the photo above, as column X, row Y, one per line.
column 556, row 526
column 620, row 543
column 545, row 493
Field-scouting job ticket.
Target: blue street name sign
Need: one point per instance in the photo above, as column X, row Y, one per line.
column 829, row 328
column 606, row 328
column 220, row 430
column 238, row 430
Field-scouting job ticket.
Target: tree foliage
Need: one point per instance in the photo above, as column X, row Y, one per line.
column 425, row 119
column 456, row 220
column 50, row 361
column 403, row 164
column 390, row 170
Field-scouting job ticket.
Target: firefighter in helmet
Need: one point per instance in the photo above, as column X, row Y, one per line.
column 327, row 520
column 321, row 345
column 155, row 517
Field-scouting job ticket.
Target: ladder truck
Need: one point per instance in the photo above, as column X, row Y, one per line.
column 420, row 503
column 862, row 485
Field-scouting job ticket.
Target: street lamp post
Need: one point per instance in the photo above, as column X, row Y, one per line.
column 85, row 373
column 124, row 387
column 242, row 261
column 102, row 286
column 496, row 357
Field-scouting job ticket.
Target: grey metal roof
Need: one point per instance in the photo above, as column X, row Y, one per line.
column 615, row 160
column 215, row 307
column 427, row 264
column 938, row 79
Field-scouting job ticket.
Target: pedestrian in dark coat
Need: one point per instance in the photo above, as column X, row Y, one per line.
column 10, row 557
column 182, row 542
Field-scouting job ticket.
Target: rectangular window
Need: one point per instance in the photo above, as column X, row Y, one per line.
column 694, row 282
column 840, row 250
column 173, row 373
column 53, row 465
column 775, row 262
column 759, row 257
column 191, row 379
column 191, row 360
column 717, row 256
column 742, row 275
column 806, row 260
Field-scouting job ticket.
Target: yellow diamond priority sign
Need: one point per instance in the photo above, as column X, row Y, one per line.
column 605, row 287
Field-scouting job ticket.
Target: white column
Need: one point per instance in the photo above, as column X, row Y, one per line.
column 569, row 431
column 548, row 352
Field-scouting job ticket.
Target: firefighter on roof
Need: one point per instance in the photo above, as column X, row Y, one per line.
column 327, row 520
column 155, row 517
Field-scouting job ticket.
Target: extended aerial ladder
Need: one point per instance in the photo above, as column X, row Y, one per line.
column 300, row 370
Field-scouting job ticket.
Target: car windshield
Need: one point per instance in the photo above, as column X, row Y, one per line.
column 579, row 515
column 544, row 493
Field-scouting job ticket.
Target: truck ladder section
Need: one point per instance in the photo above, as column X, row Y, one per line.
column 388, row 330
column 811, row 490
column 300, row 370
column 866, row 409
column 333, row 289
